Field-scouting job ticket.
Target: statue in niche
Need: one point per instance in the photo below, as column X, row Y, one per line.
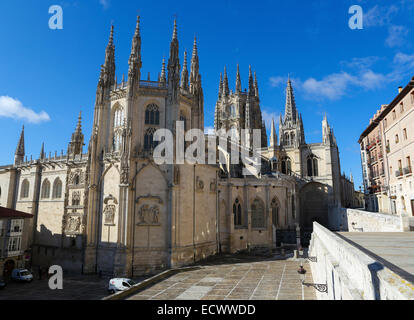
column 109, row 214
column 109, row 210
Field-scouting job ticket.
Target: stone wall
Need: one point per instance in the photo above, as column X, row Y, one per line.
column 354, row 220
column 350, row 274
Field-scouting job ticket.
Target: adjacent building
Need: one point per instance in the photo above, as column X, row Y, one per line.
column 387, row 151
column 15, row 230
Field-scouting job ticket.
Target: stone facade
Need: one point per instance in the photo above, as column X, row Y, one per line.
column 114, row 210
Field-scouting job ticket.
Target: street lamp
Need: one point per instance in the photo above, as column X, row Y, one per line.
column 320, row 287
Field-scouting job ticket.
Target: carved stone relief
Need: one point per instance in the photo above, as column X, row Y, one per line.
column 148, row 216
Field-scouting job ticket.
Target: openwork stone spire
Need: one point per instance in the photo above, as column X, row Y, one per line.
column 290, row 108
column 226, row 90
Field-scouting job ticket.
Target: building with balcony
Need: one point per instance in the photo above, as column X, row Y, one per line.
column 387, row 149
column 15, row 229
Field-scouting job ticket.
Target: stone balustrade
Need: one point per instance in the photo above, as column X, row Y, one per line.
column 351, row 274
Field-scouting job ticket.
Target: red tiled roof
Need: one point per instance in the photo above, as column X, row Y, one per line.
column 10, row 213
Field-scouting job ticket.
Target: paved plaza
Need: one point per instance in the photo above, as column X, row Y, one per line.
column 260, row 280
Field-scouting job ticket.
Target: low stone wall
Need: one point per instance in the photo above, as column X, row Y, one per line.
column 350, row 274
column 354, row 220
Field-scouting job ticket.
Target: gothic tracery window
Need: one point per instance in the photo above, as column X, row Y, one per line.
column 258, row 217
column 149, row 143
column 45, row 194
column 312, row 164
column 57, row 189
column 25, row 189
column 237, row 213
column 286, row 165
column 152, row 114
column 119, row 118
column 275, row 211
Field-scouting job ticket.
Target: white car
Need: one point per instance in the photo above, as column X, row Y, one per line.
column 22, row 275
column 120, row 284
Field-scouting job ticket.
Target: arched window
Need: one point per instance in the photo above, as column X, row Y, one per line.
column 57, row 189
column 152, row 114
column 286, row 166
column 275, row 211
column 292, row 138
column 315, row 167
column 312, row 164
column 25, row 189
column 287, row 139
column 119, row 117
column 232, row 110
column 237, row 213
column 45, row 189
column 149, row 143
column 258, row 218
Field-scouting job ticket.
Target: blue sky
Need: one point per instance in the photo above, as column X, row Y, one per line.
column 48, row 76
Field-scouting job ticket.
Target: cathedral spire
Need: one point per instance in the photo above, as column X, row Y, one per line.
column 251, row 82
column 194, row 67
column 134, row 62
column 174, row 68
column 238, row 81
column 107, row 76
column 273, row 136
column 19, row 154
column 226, row 90
column 290, row 107
column 184, row 73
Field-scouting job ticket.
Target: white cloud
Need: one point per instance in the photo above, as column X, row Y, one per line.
column 105, row 3
column 396, row 36
column 12, row 108
column 379, row 16
column 331, row 87
column 276, row 81
column 360, row 63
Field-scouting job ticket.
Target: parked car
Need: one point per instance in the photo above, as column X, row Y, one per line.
column 2, row 284
column 120, row 284
column 22, row 275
